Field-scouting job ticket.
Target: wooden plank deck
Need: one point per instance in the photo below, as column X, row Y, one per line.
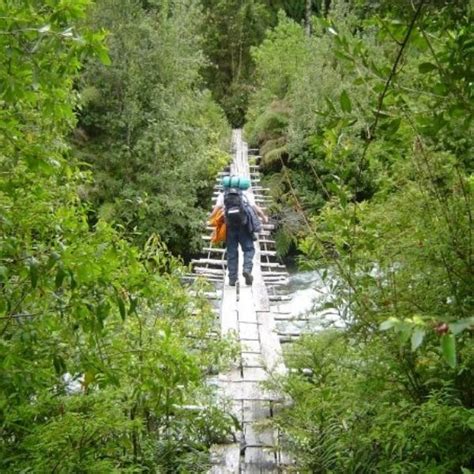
column 245, row 312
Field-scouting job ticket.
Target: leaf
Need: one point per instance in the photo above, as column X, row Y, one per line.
column 104, row 57
column 346, row 104
column 60, row 275
column 470, row 423
column 393, row 126
column 3, row 273
column 133, row 305
column 448, row 347
column 461, row 325
column 417, row 338
column 89, row 377
column 59, row 364
column 44, row 29
column 67, row 33
column 440, row 89
column 34, row 266
column 426, row 67
column 52, row 260
column 388, row 324
column 333, row 187
column 102, row 311
column 456, row 111
column 122, row 308
column 73, row 280
column 330, row 104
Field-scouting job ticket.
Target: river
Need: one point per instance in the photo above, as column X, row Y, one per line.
column 307, row 291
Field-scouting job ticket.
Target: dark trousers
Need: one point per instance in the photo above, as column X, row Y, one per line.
column 235, row 236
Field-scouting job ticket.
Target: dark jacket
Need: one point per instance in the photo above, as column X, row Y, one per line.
column 253, row 222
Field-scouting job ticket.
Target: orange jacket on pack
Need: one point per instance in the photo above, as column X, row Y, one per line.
column 218, row 222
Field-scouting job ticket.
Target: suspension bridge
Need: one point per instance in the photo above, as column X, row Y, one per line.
column 250, row 313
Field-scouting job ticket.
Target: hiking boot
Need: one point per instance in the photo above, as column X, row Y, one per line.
column 248, row 278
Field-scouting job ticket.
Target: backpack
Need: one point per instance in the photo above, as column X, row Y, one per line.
column 235, row 214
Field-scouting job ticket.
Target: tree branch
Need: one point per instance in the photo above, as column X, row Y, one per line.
column 395, row 66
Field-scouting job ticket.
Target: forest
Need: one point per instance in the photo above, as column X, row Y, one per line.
column 115, row 119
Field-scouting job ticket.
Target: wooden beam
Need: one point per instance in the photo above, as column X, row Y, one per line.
column 214, row 249
column 210, row 261
column 280, row 298
column 210, row 271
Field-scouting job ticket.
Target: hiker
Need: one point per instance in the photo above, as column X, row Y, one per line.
column 242, row 224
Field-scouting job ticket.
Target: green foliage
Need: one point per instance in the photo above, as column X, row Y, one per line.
column 377, row 164
column 355, row 411
column 230, row 29
column 102, row 351
column 152, row 135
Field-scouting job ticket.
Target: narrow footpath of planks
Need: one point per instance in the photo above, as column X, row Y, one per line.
column 245, row 311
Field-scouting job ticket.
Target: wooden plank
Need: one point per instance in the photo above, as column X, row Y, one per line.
column 209, row 271
column 268, row 253
column 251, row 468
column 233, row 375
column 280, row 298
column 264, row 458
column 229, row 321
column 237, row 410
column 225, row 458
column 251, row 359
column 258, row 436
column 255, row 374
column 210, row 261
column 254, row 410
column 273, row 265
column 251, row 346
column 245, row 306
column 248, row 331
column 214, row 249
column 248, row 317
column 283, row 317
column 270, row 344
column 259, row 291
column 275, row 278
column 246, row 309
column 284, row 459
column 255, row 391
column 247, row 390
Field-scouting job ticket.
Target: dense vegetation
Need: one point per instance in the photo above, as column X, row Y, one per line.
column 112, row 129
column 103, row 354
column 231, row 28
column 366, row 133
column 151, row 133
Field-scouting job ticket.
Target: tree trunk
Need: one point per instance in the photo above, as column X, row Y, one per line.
column 308, row 17
column 327, row 6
